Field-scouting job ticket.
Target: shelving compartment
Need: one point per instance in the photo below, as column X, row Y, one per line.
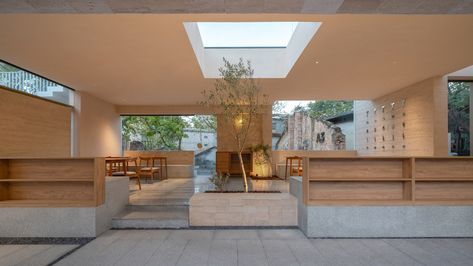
column 359, row 181
column 51, row 182
column 444, row 180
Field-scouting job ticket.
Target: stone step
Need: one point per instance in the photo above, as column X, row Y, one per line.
column 152, row 216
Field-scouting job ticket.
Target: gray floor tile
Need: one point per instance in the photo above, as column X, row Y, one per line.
column 389, row 253
column 168, row 253
column 236, row 234
column 223, row 253
column 191, row 235
column 276, row 234
column 423, row 256
column 196, row 253
column 251, row 252
column 305, row 253
column 278, row 253
column 23, row 253
column 47, row 256
column 141, row 253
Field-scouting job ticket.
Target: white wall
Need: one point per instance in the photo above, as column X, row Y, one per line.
column 97, row 127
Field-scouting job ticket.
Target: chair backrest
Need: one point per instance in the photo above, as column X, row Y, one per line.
column 149, row 161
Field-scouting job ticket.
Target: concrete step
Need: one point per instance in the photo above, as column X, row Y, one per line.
column 152, row 216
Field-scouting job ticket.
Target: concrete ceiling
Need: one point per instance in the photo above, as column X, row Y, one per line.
column 146, row 59
column 240, row 6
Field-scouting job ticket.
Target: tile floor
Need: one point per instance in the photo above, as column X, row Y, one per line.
column 32, row 254
column 263, row 247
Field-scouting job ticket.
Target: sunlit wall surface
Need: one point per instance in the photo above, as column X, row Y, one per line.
column 18, row 79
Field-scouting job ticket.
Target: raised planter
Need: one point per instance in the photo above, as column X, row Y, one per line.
column 243, row 209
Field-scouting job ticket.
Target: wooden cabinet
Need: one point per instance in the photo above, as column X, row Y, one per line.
column 228, row 162
column 71, row 182
column 388, row 181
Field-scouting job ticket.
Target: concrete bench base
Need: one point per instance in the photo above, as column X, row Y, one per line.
column 382, row 221
column 66, row 222
column 243, row 209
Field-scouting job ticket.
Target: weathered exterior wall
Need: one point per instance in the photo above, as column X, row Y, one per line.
column 415, row 125
column 305, row 133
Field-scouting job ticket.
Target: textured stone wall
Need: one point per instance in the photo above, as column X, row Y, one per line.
column 306, row 133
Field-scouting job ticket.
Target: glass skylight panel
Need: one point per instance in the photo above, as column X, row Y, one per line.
column 246, row 34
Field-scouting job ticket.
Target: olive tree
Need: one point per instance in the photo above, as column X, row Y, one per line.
column 238, row 97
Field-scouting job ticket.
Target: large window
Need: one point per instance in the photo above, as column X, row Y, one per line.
column 16, row 78
column 174, row 133
column 313, row 125
column 459, row 117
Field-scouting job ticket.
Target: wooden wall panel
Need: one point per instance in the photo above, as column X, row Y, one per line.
column 42, row 169
column 32, row 127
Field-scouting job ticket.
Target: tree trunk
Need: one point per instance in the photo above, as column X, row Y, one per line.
column 245, row 181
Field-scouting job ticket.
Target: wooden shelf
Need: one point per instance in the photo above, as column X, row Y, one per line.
column 337, row 179
column 388, row 181
column 444, row 179
column 47, row 203
column 445, row 202
column 348, row 202
column 47, row 180
column 61, row 182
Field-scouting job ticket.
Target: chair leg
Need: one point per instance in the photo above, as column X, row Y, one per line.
column 138, row 181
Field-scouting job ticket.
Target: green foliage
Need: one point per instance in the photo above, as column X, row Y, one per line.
column 161, row 132
column 219, row 181
column 459, row 116
column 327, row 108
column 239, row 98
column 204, row 122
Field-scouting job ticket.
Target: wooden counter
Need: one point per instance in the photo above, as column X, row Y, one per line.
column 388, row 181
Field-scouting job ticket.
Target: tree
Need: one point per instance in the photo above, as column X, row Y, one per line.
column 459, row 116
column 160, row 131
column 240, row 99
column 327, row 108
column 204, row 122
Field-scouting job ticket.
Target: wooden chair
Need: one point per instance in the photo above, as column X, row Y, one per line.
column 136, row 173
column 292, row 168
column 148, row 167
column 121, row 167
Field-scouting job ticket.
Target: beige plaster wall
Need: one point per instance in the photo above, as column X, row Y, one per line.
column 96, row 127
column 422, row 120
column 33, row 127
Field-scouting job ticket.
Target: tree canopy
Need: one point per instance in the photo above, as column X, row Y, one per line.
column 328, row 108
column 161, row 132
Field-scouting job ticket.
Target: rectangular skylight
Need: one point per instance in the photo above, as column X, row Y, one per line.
column 246, row 34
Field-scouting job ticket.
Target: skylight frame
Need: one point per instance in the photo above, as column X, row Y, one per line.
column 246, row 35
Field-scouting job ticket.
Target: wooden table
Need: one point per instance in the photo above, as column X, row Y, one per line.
column 111, row 161
column 289, row 161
